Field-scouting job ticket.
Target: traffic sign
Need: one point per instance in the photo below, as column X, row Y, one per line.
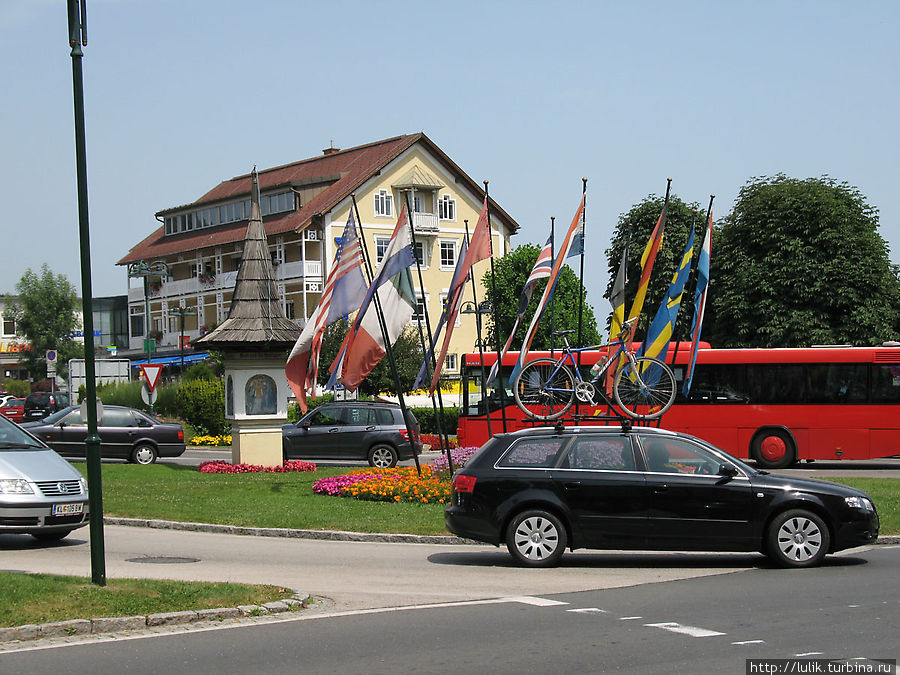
column 148, row 396
column 51, row 356
column 151, row 374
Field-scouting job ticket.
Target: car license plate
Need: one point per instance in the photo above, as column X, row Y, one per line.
column 66, row 509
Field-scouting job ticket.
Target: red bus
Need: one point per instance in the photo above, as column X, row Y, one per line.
column 775, row 406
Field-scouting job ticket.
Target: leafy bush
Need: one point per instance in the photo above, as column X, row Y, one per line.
column 294, row 413
column 211, row 441
column 18, row 388
column 428, row 423
column 199, row 371
column 119, row 393
column 201, row 403
column 435, row 441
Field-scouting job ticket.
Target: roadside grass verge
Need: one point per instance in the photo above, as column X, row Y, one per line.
column 885, row 492
column 46, row 598
column 181, row 493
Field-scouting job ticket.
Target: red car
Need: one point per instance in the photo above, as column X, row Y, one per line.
column 14, row 409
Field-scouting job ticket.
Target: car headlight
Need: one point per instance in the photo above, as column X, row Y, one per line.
column 859, row 503
column 83, row 482
column 15, row 486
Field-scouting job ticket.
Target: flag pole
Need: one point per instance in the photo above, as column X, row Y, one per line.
column 495, row 308
column 384, row 334
column 484, row 396
column 443, row 439
column 553, row 299
column 581, row 287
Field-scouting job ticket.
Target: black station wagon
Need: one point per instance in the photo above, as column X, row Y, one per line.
column 544, row 490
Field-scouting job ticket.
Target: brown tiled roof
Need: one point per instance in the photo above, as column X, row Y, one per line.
column 255, row 317
column 348, row 169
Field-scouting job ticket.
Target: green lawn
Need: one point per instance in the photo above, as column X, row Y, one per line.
column 885, row 492
column 45, row 598
column 172, row 492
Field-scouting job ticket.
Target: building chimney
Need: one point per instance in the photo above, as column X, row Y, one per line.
column 331, row 150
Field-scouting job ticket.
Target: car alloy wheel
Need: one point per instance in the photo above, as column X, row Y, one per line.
column 798, row 538
column 143, row 454
column 382, row 457
column 536, row 539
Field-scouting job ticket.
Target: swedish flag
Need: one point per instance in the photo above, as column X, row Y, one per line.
column 660, row 332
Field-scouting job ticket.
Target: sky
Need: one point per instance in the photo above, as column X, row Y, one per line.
column 532, row 96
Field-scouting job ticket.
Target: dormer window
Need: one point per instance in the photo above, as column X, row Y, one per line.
column 233, row 212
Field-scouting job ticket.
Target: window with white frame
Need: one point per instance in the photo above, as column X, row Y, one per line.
column 9, row 325
column 384, row 203
column 451, row 363
column 381, row 247
column 448, row 253
column 447, row 208
column 421, row 305
column 420, row 251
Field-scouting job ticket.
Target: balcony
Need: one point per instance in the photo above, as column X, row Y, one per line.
column 426, row 223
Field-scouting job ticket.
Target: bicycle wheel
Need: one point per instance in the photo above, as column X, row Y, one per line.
column 544, row 389
column 647, row 394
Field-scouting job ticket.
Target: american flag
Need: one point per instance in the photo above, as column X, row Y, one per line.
column 343, row 292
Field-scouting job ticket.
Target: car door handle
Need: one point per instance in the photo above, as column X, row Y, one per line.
column 370, row 428
column 572, row 485
column 659, row 489
column 333, row 431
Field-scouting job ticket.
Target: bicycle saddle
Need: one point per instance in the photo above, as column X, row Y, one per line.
column 560, row 333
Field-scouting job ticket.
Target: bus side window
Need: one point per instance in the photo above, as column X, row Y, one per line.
column 886, row 383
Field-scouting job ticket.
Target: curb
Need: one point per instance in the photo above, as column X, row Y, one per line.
column 322, row 535
column 116, row 624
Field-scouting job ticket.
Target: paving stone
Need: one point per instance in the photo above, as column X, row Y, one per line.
column 115, row 624
column 276, row 606
column 65, row 628
column 27, row 632
column 251, row 610
column 170, row 618
column 218, row 613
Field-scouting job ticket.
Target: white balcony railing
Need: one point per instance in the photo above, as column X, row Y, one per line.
column 426, row 223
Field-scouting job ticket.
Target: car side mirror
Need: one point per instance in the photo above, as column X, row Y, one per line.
column 728, row 470
column 304, row 425
column 61, row 425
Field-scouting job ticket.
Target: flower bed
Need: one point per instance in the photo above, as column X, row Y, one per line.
column 219, row 466
column 214, row 441
column 435, row 442
column 400, row 484
column 459, row 456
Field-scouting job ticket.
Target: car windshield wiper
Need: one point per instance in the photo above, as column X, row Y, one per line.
column 5, row 445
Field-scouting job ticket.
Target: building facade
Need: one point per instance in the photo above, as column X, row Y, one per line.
column 305, row 206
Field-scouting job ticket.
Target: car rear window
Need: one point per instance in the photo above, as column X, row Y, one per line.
column 532, row 453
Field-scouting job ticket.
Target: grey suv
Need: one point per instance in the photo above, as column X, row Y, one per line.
column 353, row 430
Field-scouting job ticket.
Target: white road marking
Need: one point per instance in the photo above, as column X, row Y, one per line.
column 588, row 610
column 630, row 618
column 810, row 654
column 750, row 642
column 529, row 600
column 693, row 631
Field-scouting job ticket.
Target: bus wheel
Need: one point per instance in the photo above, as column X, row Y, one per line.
column 773, row 449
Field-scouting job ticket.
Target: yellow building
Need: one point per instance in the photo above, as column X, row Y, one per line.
column 305, row 206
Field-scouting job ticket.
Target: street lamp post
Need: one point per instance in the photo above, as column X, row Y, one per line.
column 77, row 13
column 145, row 270
column 182, row 312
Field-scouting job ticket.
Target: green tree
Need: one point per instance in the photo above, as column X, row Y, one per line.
column 407, row 354
column 634, row 229
column 46, row 314
column 512, row 271
column 801, row 262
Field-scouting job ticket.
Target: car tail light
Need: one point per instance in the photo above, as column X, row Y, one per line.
column 181, row 434
column 405, row 434
column 463, row 483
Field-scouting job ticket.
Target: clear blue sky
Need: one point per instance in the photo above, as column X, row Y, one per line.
column 181, row 94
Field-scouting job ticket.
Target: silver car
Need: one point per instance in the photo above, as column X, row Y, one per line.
column 41, row 494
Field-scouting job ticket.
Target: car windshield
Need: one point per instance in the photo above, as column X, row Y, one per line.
column 14, row 438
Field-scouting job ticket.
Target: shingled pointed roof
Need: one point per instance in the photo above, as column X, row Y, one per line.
column 256, row 319
column 340, row 172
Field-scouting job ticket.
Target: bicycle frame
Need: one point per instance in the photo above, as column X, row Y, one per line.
column 569, row 356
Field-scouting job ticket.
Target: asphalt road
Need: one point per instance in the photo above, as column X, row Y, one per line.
column 706, row 624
